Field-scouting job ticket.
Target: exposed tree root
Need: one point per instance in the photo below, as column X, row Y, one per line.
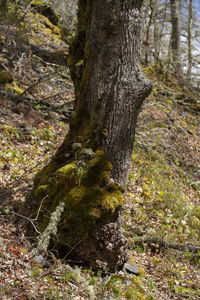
column 187, row 247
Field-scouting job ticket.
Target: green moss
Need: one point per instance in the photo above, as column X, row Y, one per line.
column 39, row 2
column 159, row 73
column 15, row 87
column 44, row 177
column 6, row 77
column 155, row 71
column 90, row 199
column 67, row 174
column 41, row 27
column 86, row 191
column 76, row 195
column 111, row 201
column 98, row 169
column 41, row 191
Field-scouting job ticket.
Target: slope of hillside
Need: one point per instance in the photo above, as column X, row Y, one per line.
column 161, row 217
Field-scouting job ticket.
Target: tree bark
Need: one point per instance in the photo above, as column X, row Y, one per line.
column 175, row 35
column 3, row 8
column 189, row 39
column 90, row 169
column 116, row 83
column 147, row 35
column 156, row 33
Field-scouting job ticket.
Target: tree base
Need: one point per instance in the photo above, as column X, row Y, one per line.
column 105, row 249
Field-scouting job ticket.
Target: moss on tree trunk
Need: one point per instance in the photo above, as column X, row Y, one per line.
column 90, row 169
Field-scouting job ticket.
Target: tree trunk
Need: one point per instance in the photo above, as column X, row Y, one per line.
column 156, row 33
column 189, row 39
column 3, row 7
column 162, row 29
column 175, row 35
column 147, row 35
column 90, row 169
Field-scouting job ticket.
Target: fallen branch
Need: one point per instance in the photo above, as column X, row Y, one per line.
column 58, row 57
column 187, row 247
column 28, row 219
column 42, row 78
column 28, row 100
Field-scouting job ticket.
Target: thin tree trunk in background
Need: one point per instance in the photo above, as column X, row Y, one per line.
column 175, row 35
column 156, row 32
column 147, row 35
column 3, row 8
column 189, row 39
column 162, row 26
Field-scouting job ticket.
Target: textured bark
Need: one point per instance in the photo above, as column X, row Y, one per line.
column 115, row 82
column 175, row 34
column 110, row 88
column 106, row 248
column 189, row 38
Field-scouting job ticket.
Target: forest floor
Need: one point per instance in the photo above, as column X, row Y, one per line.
column 161, row 217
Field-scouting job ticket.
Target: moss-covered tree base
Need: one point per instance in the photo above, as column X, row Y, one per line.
column 105, row 248
column 89, row 229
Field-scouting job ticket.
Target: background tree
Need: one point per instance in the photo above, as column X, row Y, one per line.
column 147, row 34
column 90, row 169
column 189, row 38
column 156, row 32
column 3, row 7
column 175, row 34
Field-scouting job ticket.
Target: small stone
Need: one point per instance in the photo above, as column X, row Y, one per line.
column 131, row 268
column 40, row 260
column 76, row 147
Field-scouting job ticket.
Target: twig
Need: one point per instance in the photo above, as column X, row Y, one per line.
column 39, row 209
column 30, row 220
column 52, row 96
column 72, row 248
column 35, row 83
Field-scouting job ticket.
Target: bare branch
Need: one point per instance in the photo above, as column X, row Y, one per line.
column 181, row 247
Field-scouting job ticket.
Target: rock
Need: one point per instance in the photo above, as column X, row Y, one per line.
column 40, row 260
column 44, row 9
column 131, row 268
